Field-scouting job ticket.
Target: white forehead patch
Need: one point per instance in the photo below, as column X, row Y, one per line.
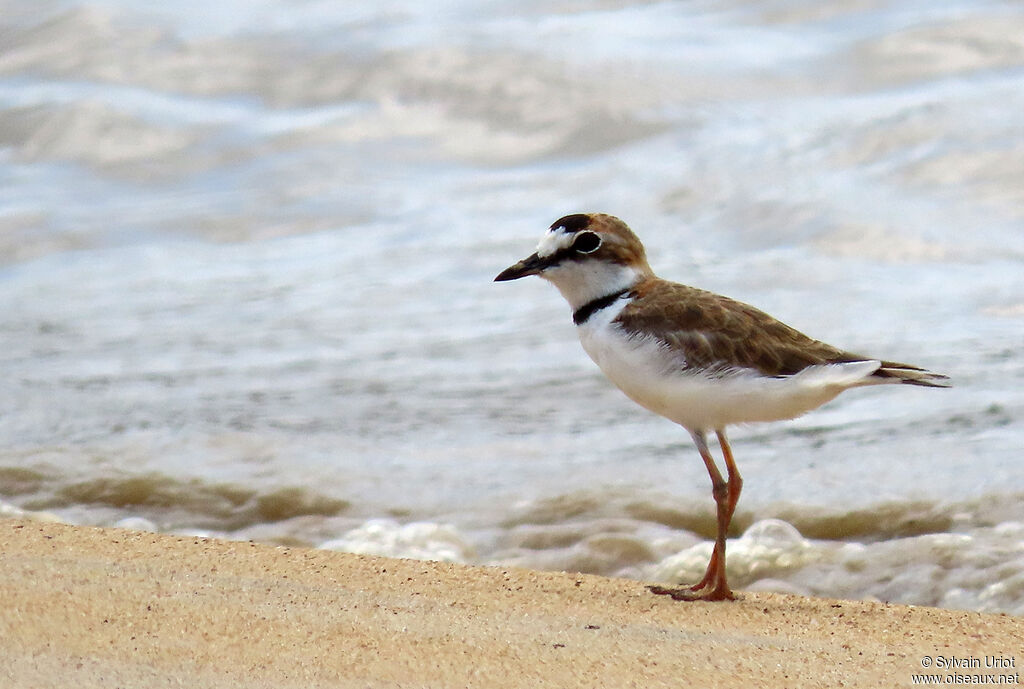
column 552, row 241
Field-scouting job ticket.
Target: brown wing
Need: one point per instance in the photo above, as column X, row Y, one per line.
column 715, row 332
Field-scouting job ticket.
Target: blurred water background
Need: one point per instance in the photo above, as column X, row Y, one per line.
column 246, row 252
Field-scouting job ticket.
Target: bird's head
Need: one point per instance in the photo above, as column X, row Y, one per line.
column 586, row 256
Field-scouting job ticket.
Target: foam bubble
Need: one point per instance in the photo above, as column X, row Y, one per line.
column 9, row 511
column 769, row 548
column 136, row 524
column 417, row 540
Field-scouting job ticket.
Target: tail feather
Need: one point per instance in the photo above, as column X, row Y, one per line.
column 911, row 375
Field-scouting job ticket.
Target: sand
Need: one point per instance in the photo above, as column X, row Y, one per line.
column 85, row 607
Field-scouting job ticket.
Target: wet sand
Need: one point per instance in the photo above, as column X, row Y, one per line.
column 86, row 607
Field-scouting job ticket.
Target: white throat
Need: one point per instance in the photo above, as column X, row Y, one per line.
column 581, row 282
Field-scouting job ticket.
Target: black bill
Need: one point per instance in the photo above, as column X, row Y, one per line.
column 531, row 265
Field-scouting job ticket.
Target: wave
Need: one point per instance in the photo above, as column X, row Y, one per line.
column 175, row 502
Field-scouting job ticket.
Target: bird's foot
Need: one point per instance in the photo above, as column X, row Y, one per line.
column 715, row 593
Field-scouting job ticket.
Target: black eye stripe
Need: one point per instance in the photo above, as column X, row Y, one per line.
column 570, row 253
column 559, row 256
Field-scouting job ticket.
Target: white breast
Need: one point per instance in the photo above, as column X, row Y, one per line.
column 656, row 378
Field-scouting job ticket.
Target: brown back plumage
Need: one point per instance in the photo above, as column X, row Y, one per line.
column 716, row 332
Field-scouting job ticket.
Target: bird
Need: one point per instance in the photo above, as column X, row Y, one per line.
column 697, row 358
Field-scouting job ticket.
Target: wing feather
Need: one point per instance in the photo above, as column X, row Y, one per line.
column 713, row 332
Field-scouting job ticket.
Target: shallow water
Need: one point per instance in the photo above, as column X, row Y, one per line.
column 246, row 253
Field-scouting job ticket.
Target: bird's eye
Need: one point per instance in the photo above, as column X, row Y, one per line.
column 586, row 242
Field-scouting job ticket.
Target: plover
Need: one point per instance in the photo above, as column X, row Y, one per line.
column 697, row 358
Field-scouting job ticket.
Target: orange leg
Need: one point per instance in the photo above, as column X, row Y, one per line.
column 735, row 480
column 714, row 585
column 735, row 487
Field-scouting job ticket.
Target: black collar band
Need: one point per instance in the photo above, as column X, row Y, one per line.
column 583, row 313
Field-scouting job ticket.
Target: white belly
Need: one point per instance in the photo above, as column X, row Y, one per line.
column 653, row 378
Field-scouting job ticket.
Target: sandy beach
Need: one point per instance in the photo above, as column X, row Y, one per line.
column 247, row 254
column 87, row 607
